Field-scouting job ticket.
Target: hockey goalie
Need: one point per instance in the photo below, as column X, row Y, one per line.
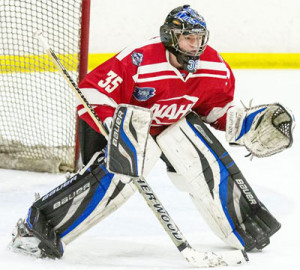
column 196, row 162
column 186, row 85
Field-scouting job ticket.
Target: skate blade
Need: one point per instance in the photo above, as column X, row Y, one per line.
column 30, row 248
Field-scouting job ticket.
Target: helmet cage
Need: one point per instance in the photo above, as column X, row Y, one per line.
column 199, row 36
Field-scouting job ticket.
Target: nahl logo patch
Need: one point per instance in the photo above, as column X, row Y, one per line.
column 143, row 93
column 137, row 58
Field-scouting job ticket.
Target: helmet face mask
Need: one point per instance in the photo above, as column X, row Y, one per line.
column 184, row 34
column 189, row 42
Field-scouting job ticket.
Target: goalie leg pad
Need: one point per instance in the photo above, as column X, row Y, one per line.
column 70, row 209
column 84, row 199
column 216, row 185
column 50, row 243
column 73, row 207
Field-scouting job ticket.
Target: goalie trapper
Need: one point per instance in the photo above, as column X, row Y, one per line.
column 264, row 130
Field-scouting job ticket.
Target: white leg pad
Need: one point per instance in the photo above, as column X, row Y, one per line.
column 152, row 155
column 181, row 146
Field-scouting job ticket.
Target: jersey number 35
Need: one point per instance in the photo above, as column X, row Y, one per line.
column 111, row 82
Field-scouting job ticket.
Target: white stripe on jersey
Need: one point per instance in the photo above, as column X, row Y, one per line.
column 164, row 66
column 209, row 75
column 218, row 66
column 129, row 49
column 83, row 111
column 158, row 78
column 217, row 113
column 190, row 98
column 93, row 96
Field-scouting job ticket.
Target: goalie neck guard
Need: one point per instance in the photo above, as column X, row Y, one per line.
column 184, row 21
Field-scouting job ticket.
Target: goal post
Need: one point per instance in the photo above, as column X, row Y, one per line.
column 38, row 119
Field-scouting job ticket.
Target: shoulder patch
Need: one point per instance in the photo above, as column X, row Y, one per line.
column 137, row 58
column 143, row 93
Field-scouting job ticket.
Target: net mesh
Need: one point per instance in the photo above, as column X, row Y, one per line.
column 282, row 121
column 37, row 107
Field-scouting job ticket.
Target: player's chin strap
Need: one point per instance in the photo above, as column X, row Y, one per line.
column 264, row 130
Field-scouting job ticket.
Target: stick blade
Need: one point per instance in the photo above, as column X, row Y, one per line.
column 213, row 259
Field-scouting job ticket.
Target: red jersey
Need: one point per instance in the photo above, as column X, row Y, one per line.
column 143, row 76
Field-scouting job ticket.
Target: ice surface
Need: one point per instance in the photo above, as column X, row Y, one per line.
column 132, row 238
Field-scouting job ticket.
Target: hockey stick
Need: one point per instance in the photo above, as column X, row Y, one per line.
column 196, row 258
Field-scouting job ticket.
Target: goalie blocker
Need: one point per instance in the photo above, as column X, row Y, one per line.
column 204, row 169
column 127, row 140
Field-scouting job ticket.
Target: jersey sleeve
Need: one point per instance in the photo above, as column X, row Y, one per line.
column 215, row 107
column 106, row 86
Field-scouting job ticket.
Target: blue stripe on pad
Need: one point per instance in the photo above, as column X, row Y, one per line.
column 223, row 190
column 247, row 123
column 104, row 184
column 128, row 143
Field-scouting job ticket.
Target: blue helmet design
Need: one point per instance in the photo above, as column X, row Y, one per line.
column 184, row 21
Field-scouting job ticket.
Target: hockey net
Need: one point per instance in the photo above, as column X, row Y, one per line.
column 37, row 108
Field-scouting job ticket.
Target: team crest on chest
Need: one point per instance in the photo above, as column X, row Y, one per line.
column 143, row 93
column 168, row 111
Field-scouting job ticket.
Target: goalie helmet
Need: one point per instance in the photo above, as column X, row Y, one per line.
column 184, row 21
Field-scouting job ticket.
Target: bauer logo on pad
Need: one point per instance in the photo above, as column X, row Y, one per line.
column 127, row 140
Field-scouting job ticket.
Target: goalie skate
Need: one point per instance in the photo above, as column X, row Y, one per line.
column 24, row 241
